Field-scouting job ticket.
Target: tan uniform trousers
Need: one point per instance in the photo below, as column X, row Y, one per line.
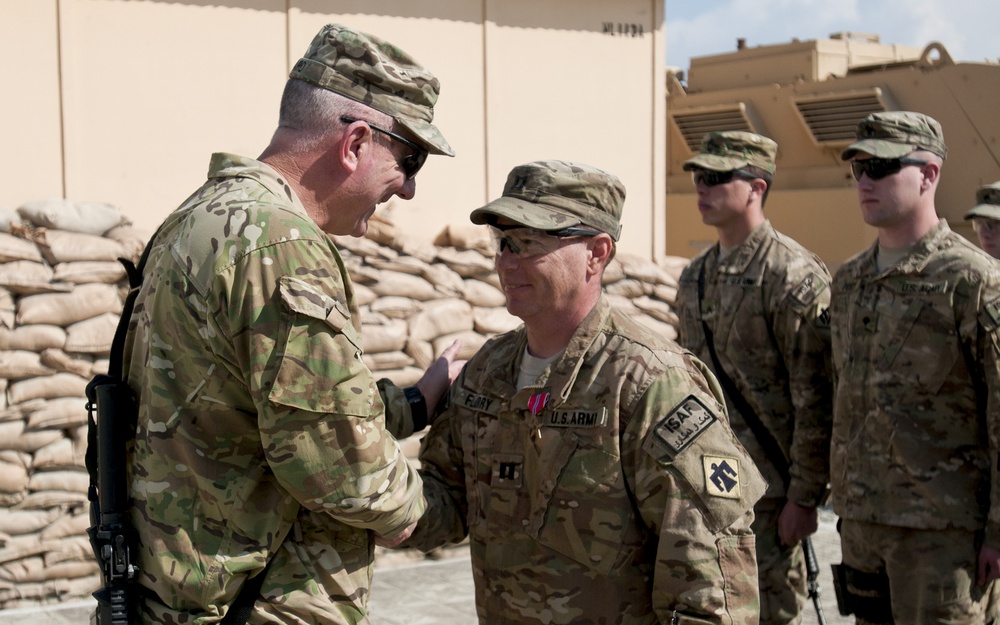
column 932, row 573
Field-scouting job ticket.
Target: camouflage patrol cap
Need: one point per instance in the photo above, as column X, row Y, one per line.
column 894, row 134
column 378, row 74
column 551, row 195
column 987, row 202
column 732, row 149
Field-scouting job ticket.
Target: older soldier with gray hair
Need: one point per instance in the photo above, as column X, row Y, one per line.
column 754, row 307
column 915, row 454
column 985, row 217
column 264, row 462
column 589, row 460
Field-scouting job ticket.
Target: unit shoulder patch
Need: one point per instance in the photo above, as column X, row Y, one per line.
column 685, row 423
column 722, row 476
column 806, row 291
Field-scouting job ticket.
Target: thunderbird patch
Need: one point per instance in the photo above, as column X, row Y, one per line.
column 722, row 476
column 685, row 423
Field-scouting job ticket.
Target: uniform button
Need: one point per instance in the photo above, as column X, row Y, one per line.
column 595, row 558
column 524, row 522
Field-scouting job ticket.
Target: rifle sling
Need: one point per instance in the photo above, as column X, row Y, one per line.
column 760, row 431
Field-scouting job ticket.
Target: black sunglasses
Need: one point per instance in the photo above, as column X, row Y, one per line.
column 411, row 163
column 878, row 168
column 711, row 178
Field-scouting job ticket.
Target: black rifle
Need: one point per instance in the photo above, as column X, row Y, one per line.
column 112, row 414
column 812, row 577
column 111, row 535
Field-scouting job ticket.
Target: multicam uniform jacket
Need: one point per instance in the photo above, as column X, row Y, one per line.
column 916, row 431
column 261, row 433
column 766, row 307
column 612, row 491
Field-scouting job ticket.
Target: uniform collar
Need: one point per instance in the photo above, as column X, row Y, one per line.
column 738, row 261
column 937, row 239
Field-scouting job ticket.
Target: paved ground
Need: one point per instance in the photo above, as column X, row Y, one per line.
column 440, row 592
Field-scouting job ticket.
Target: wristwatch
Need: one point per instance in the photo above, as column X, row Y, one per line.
column 418, row 407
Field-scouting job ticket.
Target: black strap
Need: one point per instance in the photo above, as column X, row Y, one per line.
column 760, row 431
column 242, row 606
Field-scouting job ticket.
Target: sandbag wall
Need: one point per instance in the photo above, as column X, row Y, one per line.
column 61, row 291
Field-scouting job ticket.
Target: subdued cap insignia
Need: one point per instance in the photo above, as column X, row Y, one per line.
column 552, row 195
column 378, row 74
column 894, row 134
column 728, row 150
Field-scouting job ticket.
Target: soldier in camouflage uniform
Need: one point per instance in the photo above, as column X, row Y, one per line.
column 985, row 217
column 588, row 459
column 263, row 439
column 916, row 429
column 762, row 299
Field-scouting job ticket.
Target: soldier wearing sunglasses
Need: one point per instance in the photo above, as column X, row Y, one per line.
column 265, row 464
column 754, row 307
column 985, row 218
column 588, row 459
column 915, row 454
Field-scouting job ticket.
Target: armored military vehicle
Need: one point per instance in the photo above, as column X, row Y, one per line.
column 808, row 96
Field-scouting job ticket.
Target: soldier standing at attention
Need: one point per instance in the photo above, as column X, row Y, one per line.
column 754, row 307
column 985, row 216
column 588, row 459
column 916, row 428
column 264, row 464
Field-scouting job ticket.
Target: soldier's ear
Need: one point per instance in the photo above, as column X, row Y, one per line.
column 602, row 250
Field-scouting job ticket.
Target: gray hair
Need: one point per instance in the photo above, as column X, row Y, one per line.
column 308, row 114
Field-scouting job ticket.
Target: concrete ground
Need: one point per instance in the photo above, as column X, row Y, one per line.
column 440, row 591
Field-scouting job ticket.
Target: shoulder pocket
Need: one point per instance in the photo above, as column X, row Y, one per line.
column 303, row 298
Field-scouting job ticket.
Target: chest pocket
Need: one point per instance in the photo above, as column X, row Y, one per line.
column 566, row 491
column 918, row 335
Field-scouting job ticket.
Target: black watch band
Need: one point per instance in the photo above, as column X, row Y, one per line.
column 418, row 407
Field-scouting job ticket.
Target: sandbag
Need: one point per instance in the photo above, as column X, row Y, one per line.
column 32, row 338
column 87, row 217
column 92, row 336
column 15, row 248
column 441, row 317
column 48, row 387
column 62, row 309
column 62, row 246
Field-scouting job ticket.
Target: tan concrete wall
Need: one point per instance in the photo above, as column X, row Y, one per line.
column 123, row 101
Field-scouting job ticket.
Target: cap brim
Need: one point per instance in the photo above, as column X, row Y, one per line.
column 428, row 135
column 714, row 162
column 879, row 148
column 526, row 213
column 989, row 211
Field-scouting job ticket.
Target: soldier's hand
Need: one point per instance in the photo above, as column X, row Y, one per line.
column 989, row 565
column 796, row 522
column 392, row 543
column 438, row 378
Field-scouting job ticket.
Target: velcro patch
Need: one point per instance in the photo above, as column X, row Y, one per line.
column 508, row 471
column 924, row 287
column 806, row 291
column 478, row 403
column 572, row 418
column 685, row 423
column 722, row 476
